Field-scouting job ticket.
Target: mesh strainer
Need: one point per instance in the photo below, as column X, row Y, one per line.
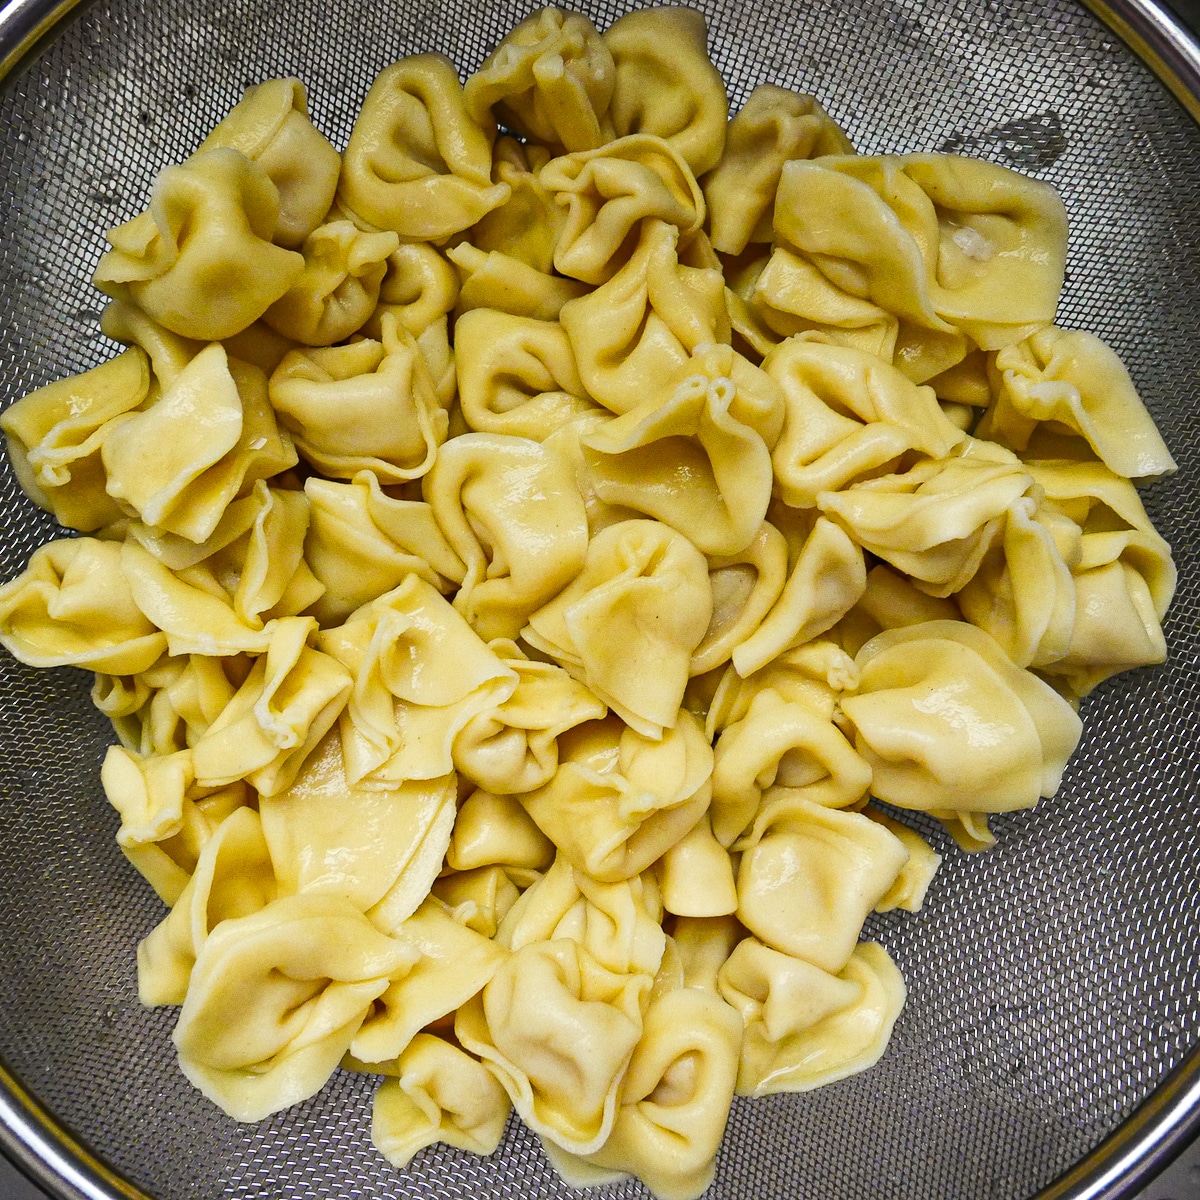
column 1054, row 982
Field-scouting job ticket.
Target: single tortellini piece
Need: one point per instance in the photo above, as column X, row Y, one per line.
column 492, row 829
column 527, row 224
column 438, row 1094
column 643, row 325
column 148, row 793
column 362, row 542
column 608, row 192
column 421, row 673
column 745, row 588
column 784, row 295
column 558, row 1030
column 276, row 998
column 945, row 242
column 698, row 460
column 825, row 576
column 618, row 800
column 493, row 279
column 73, row 606
column 618, row 924
column 417, row 162
column 1065, row 380
column 667, row 85
column 847, row 415
column 201, row 261
column 629, row 624
column 419, row 288
column 1024, row 593
column 781, row 748
column 208, row 438
column 290, row 699
column 1124, row 576
column 810, row 876
column 513, row 748
column 191, row 607
column 815, row 674
column 774, row 126
column 937, row 520
column 451, row 964
column 550, row 79
column 804, row 1026
column 511, row 510
column 338, row 289
column 54, row 437
column 270, row 125
column 947, row 722
column 674, row 1100
column 369, row 405
column 379, row 847
column 516, row 375
column 233, row 878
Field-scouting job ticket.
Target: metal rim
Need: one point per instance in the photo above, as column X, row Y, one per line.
column 1144, row 1144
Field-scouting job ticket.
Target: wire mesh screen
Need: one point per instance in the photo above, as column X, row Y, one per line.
column 1053, row 981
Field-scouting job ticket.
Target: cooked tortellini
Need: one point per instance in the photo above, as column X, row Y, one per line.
column 552, row 80
column 201, row 260
column 534, row 562
column 630, row 621
column 418, row 162
column 666, row 83
column 773, row 127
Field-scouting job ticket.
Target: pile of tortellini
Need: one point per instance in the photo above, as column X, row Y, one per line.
column 512, row 562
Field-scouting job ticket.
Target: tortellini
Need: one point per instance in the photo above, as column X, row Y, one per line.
column 339, row 287
column 201, row 260
column 773, row 127
column 962, row 252
column 806, row 1027
column 55, row 435
column 666, row 85
column 276, row 998
column 270, row 126
column 1069, row 380
column 977, row 733
column 512, row 512
column 365, row 406
column 630, row 621
column 438, row 1094
column 552, row 79
column 608, row 192
column 515, row 566
column 618, row 800
column 643, row 324
column 516, row 375
column 697, row 459
column 419, row 162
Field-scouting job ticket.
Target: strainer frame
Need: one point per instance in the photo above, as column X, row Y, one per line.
column 1125, row 1162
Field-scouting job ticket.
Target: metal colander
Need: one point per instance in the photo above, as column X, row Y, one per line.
column 1054, row 982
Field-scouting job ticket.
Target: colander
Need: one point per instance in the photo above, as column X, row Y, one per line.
column 1049, row 1046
